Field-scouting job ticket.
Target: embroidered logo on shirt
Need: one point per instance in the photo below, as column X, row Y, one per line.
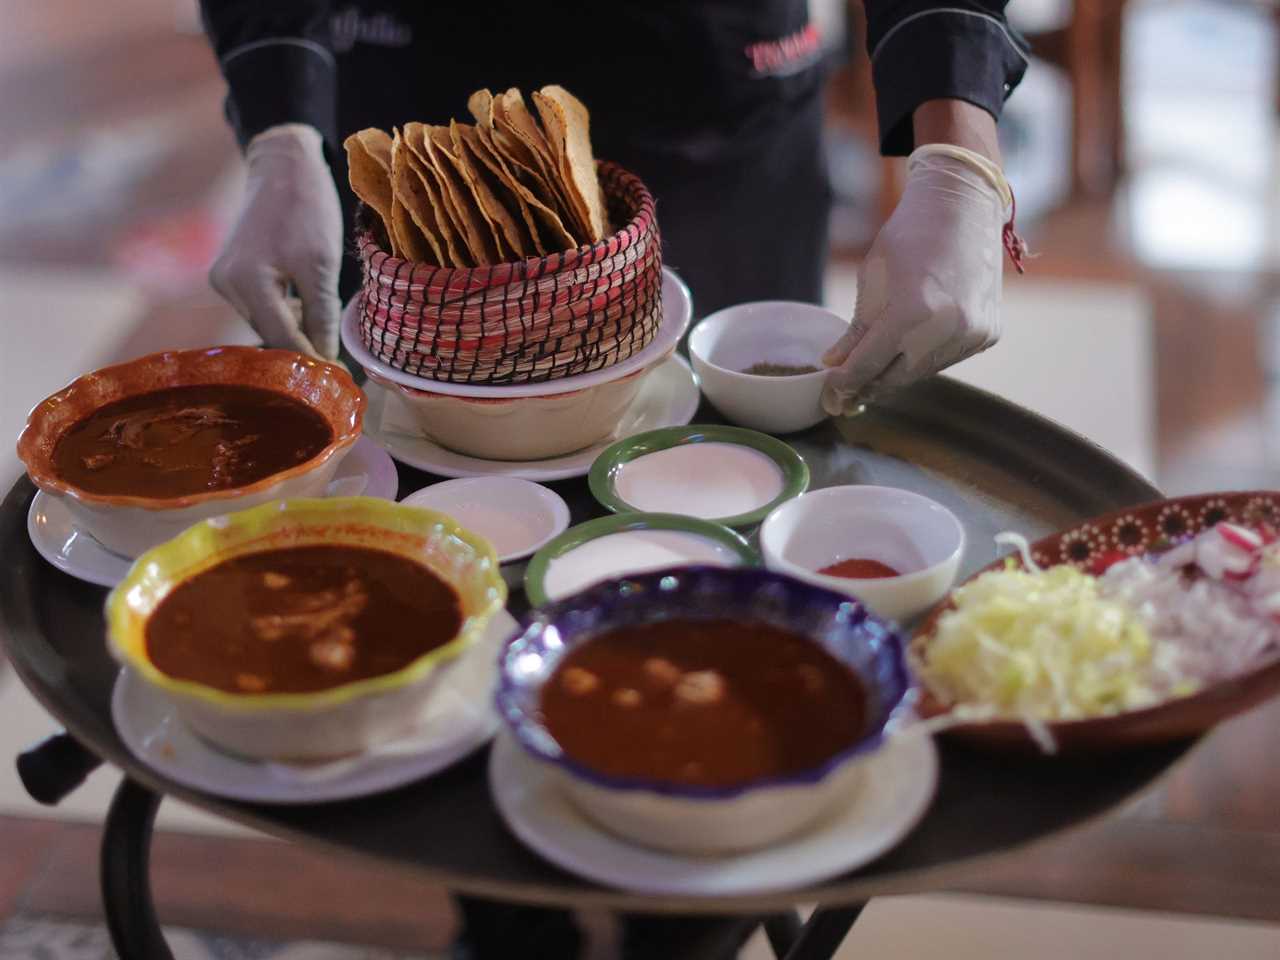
column 351, row 26
column 791, row 54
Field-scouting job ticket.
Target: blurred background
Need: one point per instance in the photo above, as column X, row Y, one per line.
column 1142, row 147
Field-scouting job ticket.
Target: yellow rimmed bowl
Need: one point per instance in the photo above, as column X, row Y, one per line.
column 342, row 720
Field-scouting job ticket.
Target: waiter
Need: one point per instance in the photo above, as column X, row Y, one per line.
column 716, row 105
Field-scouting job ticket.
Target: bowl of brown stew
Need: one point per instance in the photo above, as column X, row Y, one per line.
column 305, row 629
column 704, row 710
column 141, row 450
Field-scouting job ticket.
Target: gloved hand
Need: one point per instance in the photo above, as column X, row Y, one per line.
column 289, row 232
column 929, row 289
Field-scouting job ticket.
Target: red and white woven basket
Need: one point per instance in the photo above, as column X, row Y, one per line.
column 528, row 321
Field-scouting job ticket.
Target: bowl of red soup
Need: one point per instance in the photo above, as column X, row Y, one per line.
column 895, row 550
column 305, row 629
column 703, row 710
column 141, row 450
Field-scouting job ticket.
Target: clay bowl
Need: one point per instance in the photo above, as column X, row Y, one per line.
column 130, row 525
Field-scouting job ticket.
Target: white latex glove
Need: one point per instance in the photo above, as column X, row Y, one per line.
column 289, row 232
column 929, row 289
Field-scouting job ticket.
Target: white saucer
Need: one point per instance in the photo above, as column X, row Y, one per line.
column 369, row 460
column 668, row 397
column 895, row 792
column 516, row 516
column 367, row 470
column 459, row 720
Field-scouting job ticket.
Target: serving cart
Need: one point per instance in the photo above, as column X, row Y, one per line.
column 995, row 465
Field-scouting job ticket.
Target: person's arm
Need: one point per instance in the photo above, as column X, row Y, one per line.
column 957, row 122
column 929, row 288
column 277, row 58
column 926, row 50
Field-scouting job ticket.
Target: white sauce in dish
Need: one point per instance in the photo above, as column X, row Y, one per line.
column 515, row 516
column 632, row 551
column 707, row 480
column 509, row 530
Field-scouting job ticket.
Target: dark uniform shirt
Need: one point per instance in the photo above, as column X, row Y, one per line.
column 715, row 104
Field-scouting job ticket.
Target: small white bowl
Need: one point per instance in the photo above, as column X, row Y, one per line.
column 904, row 530
column 772, row 331
column 516, row 516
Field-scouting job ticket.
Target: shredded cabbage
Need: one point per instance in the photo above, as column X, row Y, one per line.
column 1040, row 645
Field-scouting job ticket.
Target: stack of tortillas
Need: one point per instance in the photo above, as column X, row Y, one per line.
column 488, row 250
column 505, row 189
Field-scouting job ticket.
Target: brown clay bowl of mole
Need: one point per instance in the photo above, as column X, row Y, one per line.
column 141, row 450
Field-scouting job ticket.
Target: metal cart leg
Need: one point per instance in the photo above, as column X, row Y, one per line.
column 663, row 937
column 54, row 767
column 783, row 930
column 125, row 875
column 824, row 933
column 135, row 930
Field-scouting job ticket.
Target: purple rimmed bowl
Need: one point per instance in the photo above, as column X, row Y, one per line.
column 693, row 819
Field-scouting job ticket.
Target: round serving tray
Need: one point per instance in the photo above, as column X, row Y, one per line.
column 994, row 465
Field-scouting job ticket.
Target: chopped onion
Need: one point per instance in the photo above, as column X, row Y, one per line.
column 1009, row 538
column 1041, row 645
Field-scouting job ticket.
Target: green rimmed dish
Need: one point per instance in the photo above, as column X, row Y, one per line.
column 604, row 472
column 535, row 575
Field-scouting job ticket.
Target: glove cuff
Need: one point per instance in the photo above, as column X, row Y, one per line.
column 988, row 169
column 302, row 134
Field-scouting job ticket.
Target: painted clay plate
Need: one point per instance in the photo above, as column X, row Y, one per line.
column 1150, row 528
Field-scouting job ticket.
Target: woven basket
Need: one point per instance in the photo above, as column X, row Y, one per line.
column 529, row 321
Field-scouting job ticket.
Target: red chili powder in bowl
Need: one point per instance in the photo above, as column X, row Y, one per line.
column 859, row 568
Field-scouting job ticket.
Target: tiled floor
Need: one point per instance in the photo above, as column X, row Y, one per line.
column 245, row 888
column 57, row 938
column 1149, row 324
column 972, row 928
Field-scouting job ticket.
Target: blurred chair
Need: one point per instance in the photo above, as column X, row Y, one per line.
column 1084, row 38
column 1088, row 46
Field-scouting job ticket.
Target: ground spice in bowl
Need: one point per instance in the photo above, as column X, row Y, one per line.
column 765, row 369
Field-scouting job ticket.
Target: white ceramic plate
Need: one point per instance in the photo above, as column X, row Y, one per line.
column 516, row 516
column 367, row 470
column 458, row 720
column 677, row 311
column 668, row 398
column 895, row 792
